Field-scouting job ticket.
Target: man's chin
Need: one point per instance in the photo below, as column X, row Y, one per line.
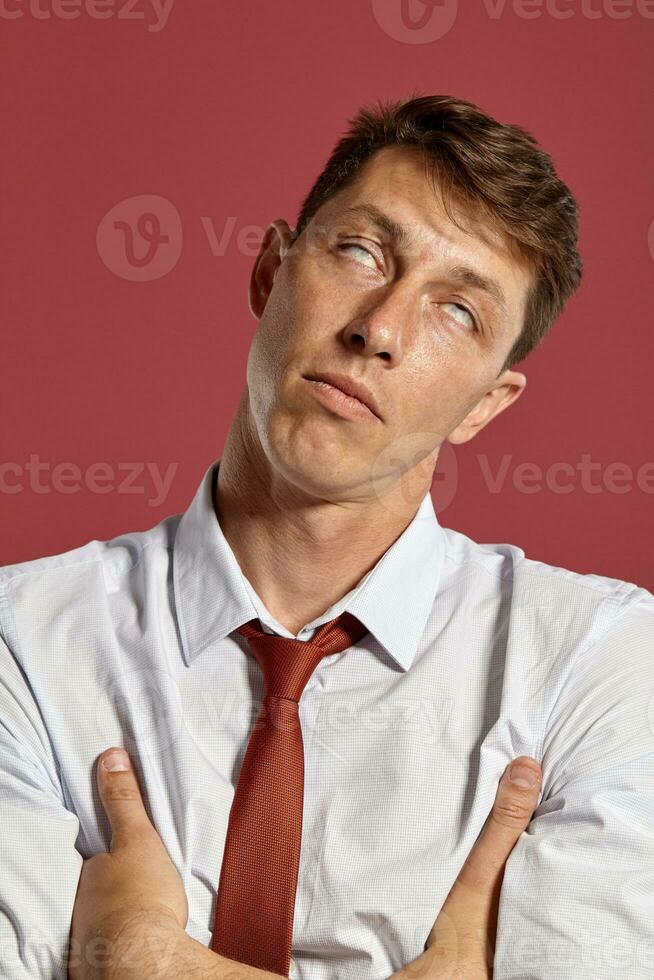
column 323, row 468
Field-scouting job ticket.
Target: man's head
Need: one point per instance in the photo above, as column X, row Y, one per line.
column 432, row 254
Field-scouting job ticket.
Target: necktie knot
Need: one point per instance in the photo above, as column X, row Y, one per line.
column 287, row 663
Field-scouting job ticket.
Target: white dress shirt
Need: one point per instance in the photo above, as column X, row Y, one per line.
column 475, row 654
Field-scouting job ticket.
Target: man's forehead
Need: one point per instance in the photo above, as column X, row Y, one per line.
column 412, row 200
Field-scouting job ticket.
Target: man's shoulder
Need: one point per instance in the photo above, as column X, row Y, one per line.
column 99, row 560
column 559, row 599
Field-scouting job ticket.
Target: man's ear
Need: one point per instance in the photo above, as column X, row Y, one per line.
column 276, row 242
column 506, row 390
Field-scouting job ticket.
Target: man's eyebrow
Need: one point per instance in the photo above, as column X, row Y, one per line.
column 401, row 236
column 399, row 233
column 469, row 277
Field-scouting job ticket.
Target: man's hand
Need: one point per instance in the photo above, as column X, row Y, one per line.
column 461, row 944
column 136, row 889
column 135, row 882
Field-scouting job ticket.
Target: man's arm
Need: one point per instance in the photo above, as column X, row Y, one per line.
column 155, row 948
column 131, row 909
column 39, row 864
column 159, row 951
column 578, row 893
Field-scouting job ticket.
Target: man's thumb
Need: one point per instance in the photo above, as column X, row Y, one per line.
column 515, row 802
column 120, row 795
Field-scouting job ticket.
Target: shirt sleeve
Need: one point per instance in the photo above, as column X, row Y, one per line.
column 577, row 897
column 39, row 864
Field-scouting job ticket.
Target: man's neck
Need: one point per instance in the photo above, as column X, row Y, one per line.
column 300, row 553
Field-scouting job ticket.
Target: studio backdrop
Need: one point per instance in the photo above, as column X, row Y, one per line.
column 147, row 147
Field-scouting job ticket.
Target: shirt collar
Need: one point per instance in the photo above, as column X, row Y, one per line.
column 213, row 597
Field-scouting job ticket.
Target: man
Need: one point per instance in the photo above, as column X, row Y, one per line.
column 432, row 254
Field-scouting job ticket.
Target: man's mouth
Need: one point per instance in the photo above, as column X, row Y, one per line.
column 350, row 387
column 346, row 406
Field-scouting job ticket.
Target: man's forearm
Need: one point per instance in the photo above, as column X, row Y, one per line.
column 161, row 952
column 180, row 956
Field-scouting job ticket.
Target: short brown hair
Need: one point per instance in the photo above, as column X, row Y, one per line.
column 497, row 167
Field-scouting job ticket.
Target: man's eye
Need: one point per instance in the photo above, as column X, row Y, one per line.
column 462, row 311
column 366, row 252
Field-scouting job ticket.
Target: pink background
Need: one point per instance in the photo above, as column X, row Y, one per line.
column 228, row 111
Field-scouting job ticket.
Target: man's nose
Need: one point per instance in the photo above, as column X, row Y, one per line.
column 381, row 330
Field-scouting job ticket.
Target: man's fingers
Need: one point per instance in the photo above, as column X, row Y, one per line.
column 121, row 795
column 467, row 922
column 510, row 816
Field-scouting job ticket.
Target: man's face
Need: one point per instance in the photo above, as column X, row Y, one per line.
column 425, row 324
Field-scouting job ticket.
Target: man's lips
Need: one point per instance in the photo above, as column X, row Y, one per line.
column 339, row 403
column 351, row 387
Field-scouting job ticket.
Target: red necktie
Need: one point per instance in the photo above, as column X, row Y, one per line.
column 253, row 921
